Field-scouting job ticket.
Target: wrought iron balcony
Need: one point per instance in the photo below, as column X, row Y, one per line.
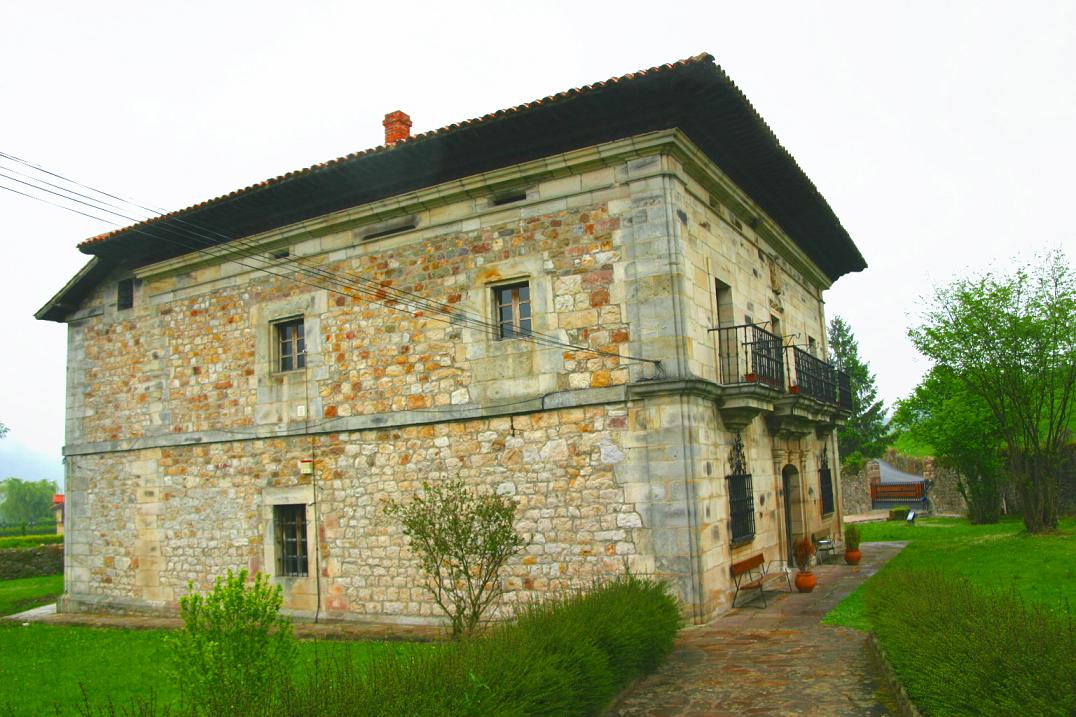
column 748, row 354
column 844, row 391
column 812, row 377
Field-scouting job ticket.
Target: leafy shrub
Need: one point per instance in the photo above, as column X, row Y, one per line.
column 235, row 649
column 565, row 657
column 852, row 537
column 960, row 651
column 802, row 552
column 899, row 513
column 462, row 541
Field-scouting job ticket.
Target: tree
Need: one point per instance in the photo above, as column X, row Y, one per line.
column 864, row 435
column 3, row 430
column 25, row 501
column 462, row 541
column 1011, row 341
column 959, row 426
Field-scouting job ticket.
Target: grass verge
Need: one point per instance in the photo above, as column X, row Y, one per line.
column 965, row 650
column 1041, row 569
column 974, row 618
column 48, row 666
column 25, row 593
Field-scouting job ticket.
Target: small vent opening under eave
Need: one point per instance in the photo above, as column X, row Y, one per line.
column 511, row 198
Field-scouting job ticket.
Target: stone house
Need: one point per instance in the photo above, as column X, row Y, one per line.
column 606, row 303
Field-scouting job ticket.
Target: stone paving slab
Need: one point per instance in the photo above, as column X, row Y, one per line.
column 777, row 660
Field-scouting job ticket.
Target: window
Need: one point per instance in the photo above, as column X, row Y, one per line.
column 825, row 485
column 513, row 308
column 741, row 508
column 290, row 345
column 289, row 524
column 125, row 294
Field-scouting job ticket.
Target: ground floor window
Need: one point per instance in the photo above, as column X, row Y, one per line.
column 741, row 507
column 289, row 524
column 825, row 485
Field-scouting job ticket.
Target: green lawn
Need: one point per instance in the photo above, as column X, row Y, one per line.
column 1040, row 568
column 910, row 447
column 25, row 593
column 47, row 665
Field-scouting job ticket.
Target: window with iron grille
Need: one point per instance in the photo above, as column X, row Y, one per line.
column 825, row 484
column 290, row 345
column 741, row 508
column 512, row 304
column 289, row 524
column 125, row 294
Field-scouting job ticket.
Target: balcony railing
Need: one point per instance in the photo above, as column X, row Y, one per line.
column 844, row 391
column 750, row 354
column 812, row 376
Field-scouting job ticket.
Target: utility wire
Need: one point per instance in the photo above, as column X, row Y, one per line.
column 252, row 250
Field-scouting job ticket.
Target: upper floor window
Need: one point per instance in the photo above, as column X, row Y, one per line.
column 125, row 294
column 290, row 345
column 513, row 310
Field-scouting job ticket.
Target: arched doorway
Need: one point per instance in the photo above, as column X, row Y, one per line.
column 790, row 479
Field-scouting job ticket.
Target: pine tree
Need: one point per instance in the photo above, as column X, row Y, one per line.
column 864, row 435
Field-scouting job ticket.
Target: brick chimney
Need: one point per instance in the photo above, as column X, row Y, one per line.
column 397, row 127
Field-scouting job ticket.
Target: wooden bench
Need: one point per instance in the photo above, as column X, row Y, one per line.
column 753, row 574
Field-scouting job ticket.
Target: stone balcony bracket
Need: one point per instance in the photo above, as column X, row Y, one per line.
column 739, row 404
column 797, row 416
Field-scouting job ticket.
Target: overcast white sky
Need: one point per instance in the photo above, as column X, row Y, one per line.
column 941, row 133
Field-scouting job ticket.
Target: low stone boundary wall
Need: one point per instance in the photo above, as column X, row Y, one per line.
column 855, row 493
column 31, row 562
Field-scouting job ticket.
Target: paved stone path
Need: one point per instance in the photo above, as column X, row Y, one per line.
column 774, row 661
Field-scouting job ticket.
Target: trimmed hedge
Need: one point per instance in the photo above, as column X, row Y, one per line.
column 564, row 657
column 31, row 562
column 46, row 527
column 30, row 541
column 962, row 651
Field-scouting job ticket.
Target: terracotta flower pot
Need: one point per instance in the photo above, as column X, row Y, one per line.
column 852, row 557
column 805, row 582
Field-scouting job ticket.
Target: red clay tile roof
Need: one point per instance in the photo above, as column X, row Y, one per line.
column 701, row 58
column 694, row 95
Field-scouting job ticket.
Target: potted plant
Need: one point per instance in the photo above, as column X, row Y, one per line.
column 750, row 377
column 852, row 555
column 802, row 551
column 794, row 388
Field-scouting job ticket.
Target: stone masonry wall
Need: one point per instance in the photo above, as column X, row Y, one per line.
column 855, row 492
column 203, row 510
column 182, row 436
column 188, row 357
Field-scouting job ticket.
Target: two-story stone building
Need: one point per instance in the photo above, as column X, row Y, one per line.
column 606, row 303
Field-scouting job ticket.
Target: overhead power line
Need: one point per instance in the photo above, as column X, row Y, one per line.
column 211, row 244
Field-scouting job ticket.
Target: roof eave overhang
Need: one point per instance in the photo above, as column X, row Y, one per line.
column 696, row 97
